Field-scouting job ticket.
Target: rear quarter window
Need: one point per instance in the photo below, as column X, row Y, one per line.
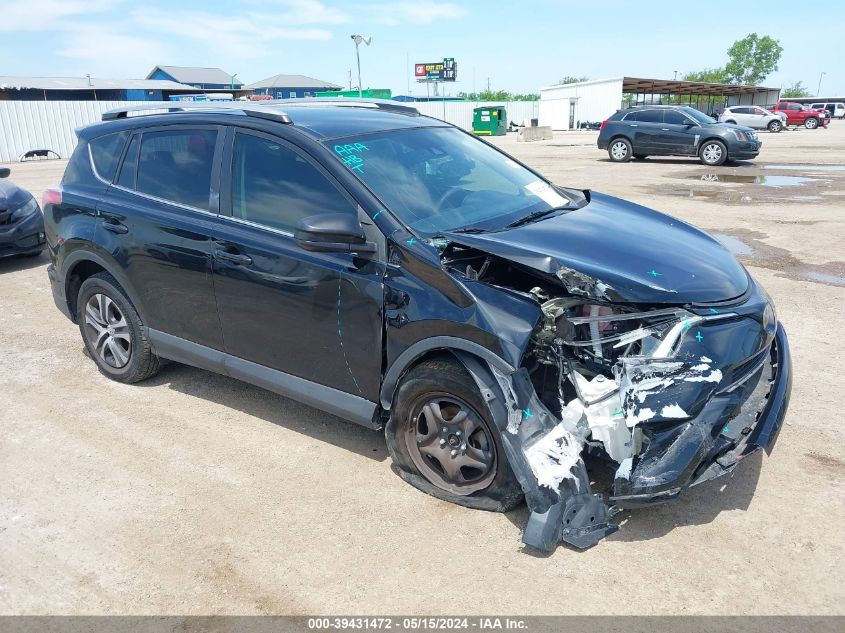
column 105, row 153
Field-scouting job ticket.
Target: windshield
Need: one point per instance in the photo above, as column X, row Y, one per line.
column 700, row 117
column 439, row 179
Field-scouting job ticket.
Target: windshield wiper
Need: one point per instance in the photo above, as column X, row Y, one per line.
column 469, row 229
column 532, row 217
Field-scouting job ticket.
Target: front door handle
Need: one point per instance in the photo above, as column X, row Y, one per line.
column 233, row 258
column 115, row 227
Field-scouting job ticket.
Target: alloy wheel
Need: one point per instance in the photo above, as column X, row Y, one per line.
column 107, row 331
column 451, row 444
column 619, row 150
column 711, row 153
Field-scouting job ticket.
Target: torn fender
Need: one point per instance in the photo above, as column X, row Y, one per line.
column 544, row 453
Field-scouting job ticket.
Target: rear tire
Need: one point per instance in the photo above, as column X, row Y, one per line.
column 620, row 150
column 713, row 153
column 775, row 126
column 443, row 441
column 811, row 123
column 113, row 332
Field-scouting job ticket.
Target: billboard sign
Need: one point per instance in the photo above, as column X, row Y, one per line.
column 447, row 70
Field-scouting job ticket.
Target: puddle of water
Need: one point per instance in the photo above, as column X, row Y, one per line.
column 806, row 198
column 765, row 180
column 835, row 280
column 807, row 167
column 733, row 244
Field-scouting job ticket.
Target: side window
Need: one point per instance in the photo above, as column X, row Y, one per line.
column 126, row 177
column 176, row 165
column 105, row 152
column 275, row 186
column 651, row 116
column 673, row 117
column 794, row 106
column 631, row 116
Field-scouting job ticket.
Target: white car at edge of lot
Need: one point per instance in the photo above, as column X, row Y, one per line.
column 754, row 117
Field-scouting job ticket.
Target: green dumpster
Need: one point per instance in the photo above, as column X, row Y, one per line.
column 490, row 121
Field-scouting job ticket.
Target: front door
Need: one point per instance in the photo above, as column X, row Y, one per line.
column 317, row 316
column 676, row 136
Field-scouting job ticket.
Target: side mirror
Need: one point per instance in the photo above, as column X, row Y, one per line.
column 689, row 123
column 5, row 172
column 332, row 233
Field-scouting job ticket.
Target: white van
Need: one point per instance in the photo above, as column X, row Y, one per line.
column 836, row 109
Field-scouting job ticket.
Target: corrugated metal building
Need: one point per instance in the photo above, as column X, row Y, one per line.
column 291, row 86
column 202, row 78
column 568, row 106
column 88, row 89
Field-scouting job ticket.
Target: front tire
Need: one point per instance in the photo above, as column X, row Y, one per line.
column 113, row 332
column 811, row 123
column 713, row 153
column 775, row 126
column 443, row 441
column 620, row 150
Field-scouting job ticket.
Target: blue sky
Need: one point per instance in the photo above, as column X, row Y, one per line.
column 259, row 38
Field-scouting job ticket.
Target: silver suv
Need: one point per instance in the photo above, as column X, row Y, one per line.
column 753, row 117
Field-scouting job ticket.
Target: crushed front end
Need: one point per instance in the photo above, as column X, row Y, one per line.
column 667, row 396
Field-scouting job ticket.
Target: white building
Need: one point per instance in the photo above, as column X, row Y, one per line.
column 568, row 106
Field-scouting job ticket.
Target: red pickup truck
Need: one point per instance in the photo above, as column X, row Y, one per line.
column 799, row 114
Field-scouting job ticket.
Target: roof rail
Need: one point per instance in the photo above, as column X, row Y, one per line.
column 349, row 102
column 249, row 109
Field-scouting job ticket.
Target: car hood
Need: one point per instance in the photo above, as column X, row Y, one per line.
column 618, row 251
column 12, row 196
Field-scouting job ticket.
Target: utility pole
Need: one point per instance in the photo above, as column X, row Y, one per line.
column 676, row 76
column 819, row 89
column 358, row 39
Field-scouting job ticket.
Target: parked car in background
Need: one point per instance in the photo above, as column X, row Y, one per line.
column 642, row 131
column 395, row 270
column 800, row 114
column 836, row 109
column 21, row 222
column 754, row 117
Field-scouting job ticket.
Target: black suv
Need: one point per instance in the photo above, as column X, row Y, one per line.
column 396, row 271
column 643, row 131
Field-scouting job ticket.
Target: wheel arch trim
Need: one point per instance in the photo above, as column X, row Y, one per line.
column 408, row 359
column 72, row 260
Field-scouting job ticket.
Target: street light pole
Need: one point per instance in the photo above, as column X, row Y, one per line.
column 358, row 39
column 819, row 89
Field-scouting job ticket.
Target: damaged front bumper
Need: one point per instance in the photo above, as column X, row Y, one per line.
column 737, row 421
column 740, row 415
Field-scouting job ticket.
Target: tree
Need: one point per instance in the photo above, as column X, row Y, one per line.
column 795, row 89
column 752, row 59
column 708, row 75
column 572, row 80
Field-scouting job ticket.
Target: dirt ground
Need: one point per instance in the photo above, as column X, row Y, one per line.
column 197, row 494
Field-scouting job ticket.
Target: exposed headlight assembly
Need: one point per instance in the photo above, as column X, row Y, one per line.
column 25, row 211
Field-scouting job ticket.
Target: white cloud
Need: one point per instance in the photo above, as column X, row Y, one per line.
column 111, row 54
column 48, row 15
column 409, row 13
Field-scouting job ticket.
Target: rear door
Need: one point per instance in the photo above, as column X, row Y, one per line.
column 157, row 221
column 313, row 315
column 644, row 125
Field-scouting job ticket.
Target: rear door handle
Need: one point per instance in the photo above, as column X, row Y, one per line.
column 234, row 258
column 115, row 227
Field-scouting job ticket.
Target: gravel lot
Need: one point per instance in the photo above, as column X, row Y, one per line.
column 197, row 494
